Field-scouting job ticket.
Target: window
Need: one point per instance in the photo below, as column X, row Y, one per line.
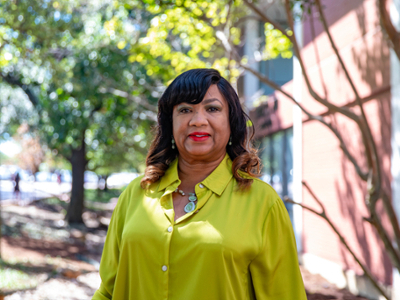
column 279, row 70
column 277, row 159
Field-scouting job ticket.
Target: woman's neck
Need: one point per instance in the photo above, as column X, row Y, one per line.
column 191, row 172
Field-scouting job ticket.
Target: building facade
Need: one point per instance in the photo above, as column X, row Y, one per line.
column 295, row 148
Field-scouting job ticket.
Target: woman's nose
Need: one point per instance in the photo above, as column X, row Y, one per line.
column 198, row 119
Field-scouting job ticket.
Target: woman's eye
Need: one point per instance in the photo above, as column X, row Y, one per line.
column 184, row 110
column 212, row 109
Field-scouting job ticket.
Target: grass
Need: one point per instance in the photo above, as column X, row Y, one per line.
column 17, row 275
column 11, row 280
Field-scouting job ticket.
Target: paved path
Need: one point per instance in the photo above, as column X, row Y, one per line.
column 30, row 191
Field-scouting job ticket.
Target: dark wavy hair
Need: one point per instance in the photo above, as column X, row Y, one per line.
column 191, row 87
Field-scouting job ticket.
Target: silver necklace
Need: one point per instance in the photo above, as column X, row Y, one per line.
column 191, row 206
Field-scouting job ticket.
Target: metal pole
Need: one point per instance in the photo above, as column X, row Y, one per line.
column 297, row 137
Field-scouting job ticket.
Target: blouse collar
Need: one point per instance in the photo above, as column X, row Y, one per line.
column 216, row 181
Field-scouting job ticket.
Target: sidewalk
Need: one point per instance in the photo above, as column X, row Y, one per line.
column 31, row 191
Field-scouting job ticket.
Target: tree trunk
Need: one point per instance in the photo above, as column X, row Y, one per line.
column 78, row 162
column 105, row 183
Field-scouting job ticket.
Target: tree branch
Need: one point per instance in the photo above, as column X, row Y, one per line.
column 335, row 49
column 368, row 139
column 152, row 110
column 363, row 175
column 12, row 80
column 266, row 19
column 394, row 221
column 393, row 34
column 323, row 215
column 392, row 252
column 266, row 80
column 373, row 177
column 345, row 111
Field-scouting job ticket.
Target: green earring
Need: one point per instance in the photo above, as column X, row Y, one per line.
column 173, row 143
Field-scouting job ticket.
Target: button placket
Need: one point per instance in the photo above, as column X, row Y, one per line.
column 164, row 268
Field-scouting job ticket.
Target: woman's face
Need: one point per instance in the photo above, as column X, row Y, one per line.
column 201, row 131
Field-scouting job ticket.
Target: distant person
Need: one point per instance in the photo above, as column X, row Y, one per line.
column 17, row 179
column 199, row 225
column 59, row 179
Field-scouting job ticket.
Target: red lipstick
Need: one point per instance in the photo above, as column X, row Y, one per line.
column 199, row 136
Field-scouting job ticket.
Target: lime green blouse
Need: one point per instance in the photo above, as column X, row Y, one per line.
column 235, row 245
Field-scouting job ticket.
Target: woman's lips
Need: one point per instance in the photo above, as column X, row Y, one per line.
column 199, row 136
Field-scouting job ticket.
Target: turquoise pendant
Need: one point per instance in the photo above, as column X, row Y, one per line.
column 189, row 207
column 192, row 197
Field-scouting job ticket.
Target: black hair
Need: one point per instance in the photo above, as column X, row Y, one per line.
column 191, row 87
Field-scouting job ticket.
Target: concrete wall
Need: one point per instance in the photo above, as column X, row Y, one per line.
column 357, row 33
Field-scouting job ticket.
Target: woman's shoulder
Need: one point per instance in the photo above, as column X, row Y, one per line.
column 135, row 183
column 262, row 194
column 260, row 186
column 135, row 188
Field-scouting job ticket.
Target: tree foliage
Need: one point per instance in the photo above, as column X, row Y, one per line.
column 73, row 65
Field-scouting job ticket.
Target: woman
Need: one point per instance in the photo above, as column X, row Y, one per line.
column 198, row 224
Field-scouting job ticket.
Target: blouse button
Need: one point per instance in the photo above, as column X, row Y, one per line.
column 164, row 268
column 201, row 185
column 170, row 229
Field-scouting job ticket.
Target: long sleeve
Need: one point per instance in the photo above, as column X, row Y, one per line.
column 109, row 258
column 275, row 271
column 238, row 244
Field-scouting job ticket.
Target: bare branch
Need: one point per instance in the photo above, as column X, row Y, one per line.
column 394, row 221
column 373, row 95
column 266, row 80
column 368, row 139
column 374, row 185
column 335, row 49
column 288, row 200
column 317, row 56
column 373, row 177
column 342, row 239
column 363, row 175
column 393, row 34
column 276, row 87
column 14, row 81
column 343, row 110
column 372, row 156
column 392, row 252
column 266, row 19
